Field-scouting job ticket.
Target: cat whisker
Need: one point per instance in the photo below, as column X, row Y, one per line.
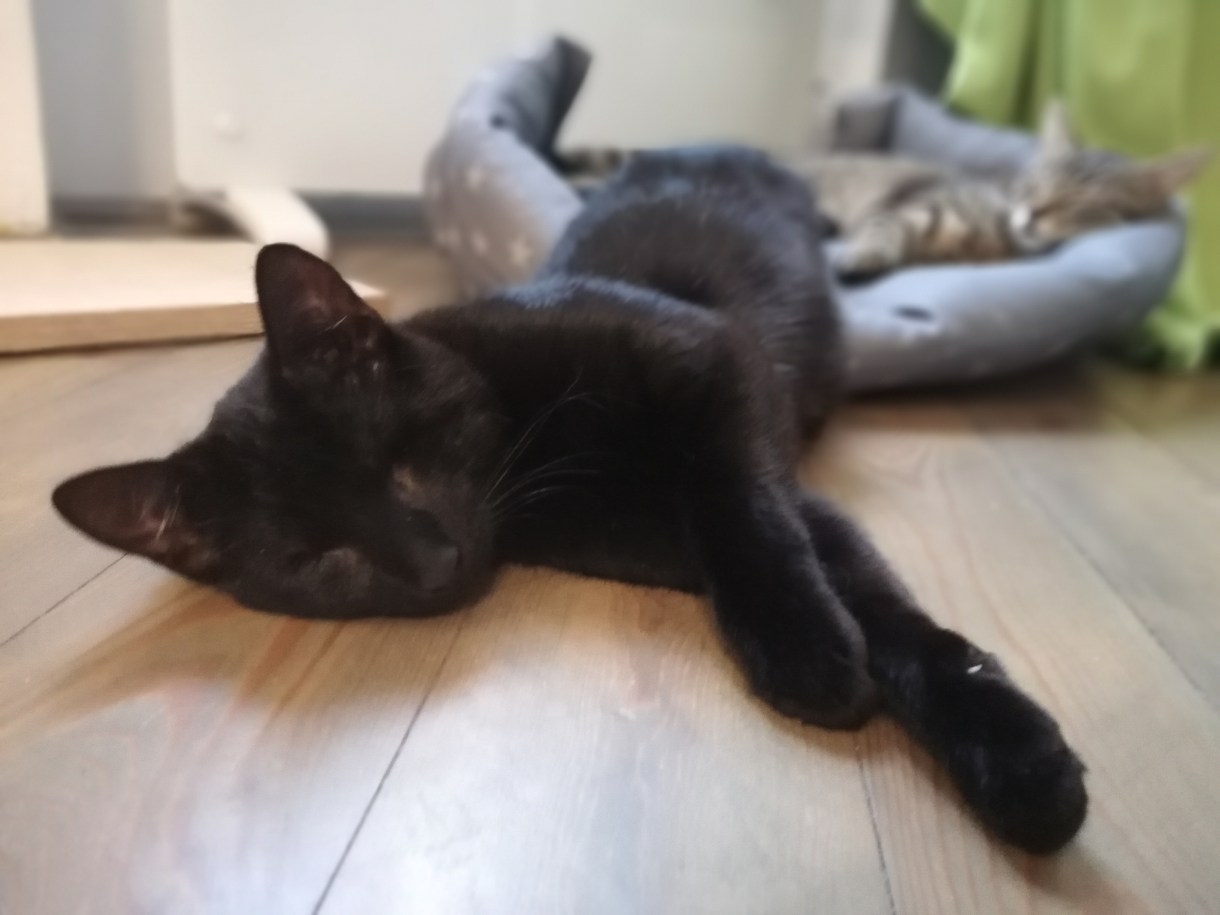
column 549, row 470
column 531, row 432
column 530, row 497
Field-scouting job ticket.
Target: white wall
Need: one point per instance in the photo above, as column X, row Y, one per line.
column 23, row 185
column 349, row 94
column 675, row 71
column 105, row 97
column 849, row 53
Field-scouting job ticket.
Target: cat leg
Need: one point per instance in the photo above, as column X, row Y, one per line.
column 877, row 246
column 1005, row 754
column 800, row 649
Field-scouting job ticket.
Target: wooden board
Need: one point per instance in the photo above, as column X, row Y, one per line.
column 60, row 293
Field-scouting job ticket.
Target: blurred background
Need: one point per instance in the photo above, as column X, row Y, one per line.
column 140, row 97
column 284, row 117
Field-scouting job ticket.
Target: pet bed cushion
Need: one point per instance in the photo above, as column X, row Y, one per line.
column 496, row 207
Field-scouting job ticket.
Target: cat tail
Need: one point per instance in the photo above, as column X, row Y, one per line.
column 1005, row 753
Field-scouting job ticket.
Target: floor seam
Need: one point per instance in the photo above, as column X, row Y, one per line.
column 364, row 815
column 47, row 612
column 872, row 817
column 1066, row 535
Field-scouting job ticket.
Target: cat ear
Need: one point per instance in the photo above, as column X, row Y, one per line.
column 134, row 508
column 1176, row 170
column 314, row 320
column 1055, row 137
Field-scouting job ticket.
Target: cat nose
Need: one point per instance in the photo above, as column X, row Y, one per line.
column 437, row 566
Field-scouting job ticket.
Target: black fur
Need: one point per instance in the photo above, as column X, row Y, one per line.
column 634, row 413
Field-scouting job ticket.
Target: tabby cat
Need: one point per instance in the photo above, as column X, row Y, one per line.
column 633, row 413
column 892, row 211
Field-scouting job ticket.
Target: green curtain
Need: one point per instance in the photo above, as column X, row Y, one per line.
column 1138, row 76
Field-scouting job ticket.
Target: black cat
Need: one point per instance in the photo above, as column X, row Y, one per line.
column 635, row 414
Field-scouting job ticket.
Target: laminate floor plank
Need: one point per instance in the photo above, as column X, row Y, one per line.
column 989, row 561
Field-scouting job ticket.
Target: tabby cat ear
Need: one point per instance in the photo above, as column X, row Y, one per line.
column 1055, row 137
column 1176, row 170
column 314, row 320
column 134, row 508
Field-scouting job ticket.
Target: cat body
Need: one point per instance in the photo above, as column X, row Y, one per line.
column 891, row 211
column 633, row 413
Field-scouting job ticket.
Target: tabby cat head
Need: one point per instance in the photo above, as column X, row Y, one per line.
column 342, row 476
column 1068, row 190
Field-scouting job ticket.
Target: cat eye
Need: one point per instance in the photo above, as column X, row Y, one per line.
column 1043, row 210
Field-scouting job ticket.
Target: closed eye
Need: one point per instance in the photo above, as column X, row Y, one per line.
column 1098, row 215
column 1043, row 210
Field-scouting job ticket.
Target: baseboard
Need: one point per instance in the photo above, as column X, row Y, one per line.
column 345, row 215
column 364, row 214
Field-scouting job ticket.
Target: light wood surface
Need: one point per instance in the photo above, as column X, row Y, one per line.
column 579, row 746
column 57, row 293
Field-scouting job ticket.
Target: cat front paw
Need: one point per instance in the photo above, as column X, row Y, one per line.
column 854, row 264
column 817, row 678
column 1009, row 759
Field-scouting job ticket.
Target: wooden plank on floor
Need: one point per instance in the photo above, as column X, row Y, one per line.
column 1180, row 413
column 58, row 293
column 987, row 561
column 588, row 748
column 1146, row 524
column 164, row 751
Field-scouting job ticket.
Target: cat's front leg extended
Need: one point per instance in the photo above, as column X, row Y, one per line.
column 800, row 650
column 876, row 247
column 1004, row 752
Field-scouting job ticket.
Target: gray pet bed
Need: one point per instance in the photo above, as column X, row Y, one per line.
column 496, row 207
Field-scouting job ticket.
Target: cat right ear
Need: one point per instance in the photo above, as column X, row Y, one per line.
column 1055, row 137
column 316, row 323
column 135, row 508
column 1174, row 171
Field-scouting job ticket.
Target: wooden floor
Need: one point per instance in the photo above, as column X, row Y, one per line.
column 574, row 746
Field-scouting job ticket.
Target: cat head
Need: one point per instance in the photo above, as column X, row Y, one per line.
column 1068, row 190
column 342, row 476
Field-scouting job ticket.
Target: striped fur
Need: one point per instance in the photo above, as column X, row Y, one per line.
column 891, row 211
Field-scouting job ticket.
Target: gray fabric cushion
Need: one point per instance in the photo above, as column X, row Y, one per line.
column 497, row 207
column 494, row 205
column 928, row 325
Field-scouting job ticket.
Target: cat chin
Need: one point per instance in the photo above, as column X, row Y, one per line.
column 469, row 589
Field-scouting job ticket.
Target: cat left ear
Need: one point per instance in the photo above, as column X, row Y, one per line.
column 313, row 318
column 135, row 508
column 1055, row 136
column 1176, row 170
